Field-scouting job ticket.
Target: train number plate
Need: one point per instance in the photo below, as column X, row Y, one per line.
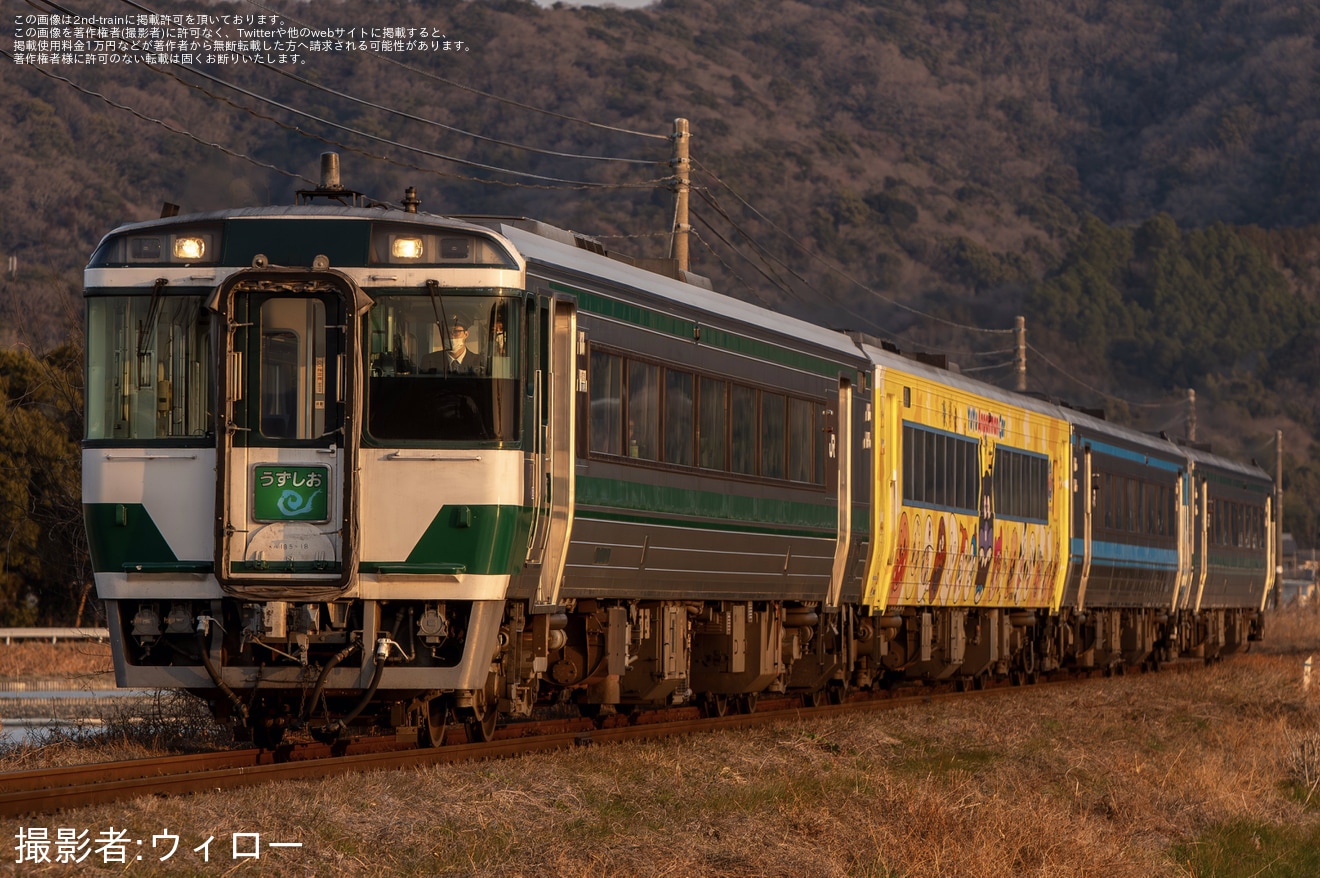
column 290, row 493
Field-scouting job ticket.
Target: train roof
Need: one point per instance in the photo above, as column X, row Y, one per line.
column 891, row 360
column 387, row 214
column 1251, row 471
column 538, row 245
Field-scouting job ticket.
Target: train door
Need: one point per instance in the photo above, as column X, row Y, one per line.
column 1200, row 540
column 287, row 437
column 1185, row 519
column 551, row 468
column 1089, row 496
column 839, row 461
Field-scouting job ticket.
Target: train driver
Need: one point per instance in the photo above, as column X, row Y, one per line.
column 458, row 359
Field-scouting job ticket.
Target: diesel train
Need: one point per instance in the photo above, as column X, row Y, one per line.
column 351, row 464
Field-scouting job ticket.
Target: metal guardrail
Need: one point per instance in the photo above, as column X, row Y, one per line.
column 9, row 635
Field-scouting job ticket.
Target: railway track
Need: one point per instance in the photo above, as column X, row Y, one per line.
column 49, row 790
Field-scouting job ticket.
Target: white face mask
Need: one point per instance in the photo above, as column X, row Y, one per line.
column 457, row 341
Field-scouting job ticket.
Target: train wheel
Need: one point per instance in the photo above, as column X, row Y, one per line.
column 716, row 705
column 748, row 703
column 434, row 720
column 836, row 692
column 485, row 714
column 483, row 728
column 815, row 698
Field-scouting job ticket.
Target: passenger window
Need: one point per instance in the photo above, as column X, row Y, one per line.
column 802, row 432
column 743, row 428
column 643, row 411
column 711, row 430
column 606, row 403
column 772, row 435
column 678, row 417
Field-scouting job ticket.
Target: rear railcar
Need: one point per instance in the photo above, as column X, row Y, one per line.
column 1231, row 553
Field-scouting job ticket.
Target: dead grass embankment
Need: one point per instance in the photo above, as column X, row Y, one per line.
column 1213, row 771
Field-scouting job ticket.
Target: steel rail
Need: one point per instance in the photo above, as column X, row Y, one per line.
column 47, row 790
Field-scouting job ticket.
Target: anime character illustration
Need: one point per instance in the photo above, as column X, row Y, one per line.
column 941, row 558
column 923, row 566
column 1017, row 566
column 900, row 557
column 985, row 533
column 965, row 565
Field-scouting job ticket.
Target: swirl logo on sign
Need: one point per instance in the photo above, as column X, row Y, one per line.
column 291, row 503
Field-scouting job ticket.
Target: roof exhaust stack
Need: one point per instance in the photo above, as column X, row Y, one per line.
column 330, row 171
column 330, row 188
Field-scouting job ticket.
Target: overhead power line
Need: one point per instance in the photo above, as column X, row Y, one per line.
column 166, row 125
column 578, row 184
column 584, row 184
column 465, row 133
column 454, row 83
column 840, row 272
column 1107, row 395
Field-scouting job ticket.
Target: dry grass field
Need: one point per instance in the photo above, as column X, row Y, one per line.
column 1211, row 772
column 73, row 660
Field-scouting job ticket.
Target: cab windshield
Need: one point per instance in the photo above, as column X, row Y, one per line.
column 442, row 368
column 150, row 370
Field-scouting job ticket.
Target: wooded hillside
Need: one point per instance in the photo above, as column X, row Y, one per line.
column 1140, row 180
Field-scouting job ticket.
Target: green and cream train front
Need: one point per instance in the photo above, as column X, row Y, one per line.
column 314, row 441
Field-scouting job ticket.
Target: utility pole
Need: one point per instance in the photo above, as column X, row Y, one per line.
column 682, row 176
column 1191, row 415
column 1020, row 333
column 1278, row 515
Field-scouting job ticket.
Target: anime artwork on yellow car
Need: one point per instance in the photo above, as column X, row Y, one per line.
column 971, row 496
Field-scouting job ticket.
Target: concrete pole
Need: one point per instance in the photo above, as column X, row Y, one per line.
column 1020, row 333
column 1278, row 514
column 1191, row 415
column 682, row 173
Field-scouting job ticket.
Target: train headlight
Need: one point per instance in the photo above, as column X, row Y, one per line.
column 189, row 248
column 406, row 247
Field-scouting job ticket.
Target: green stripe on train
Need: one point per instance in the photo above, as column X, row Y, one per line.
column 122, row 535
column 481, row 539
column 631, row 501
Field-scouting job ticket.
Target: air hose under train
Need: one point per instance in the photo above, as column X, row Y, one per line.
column 204, row 646
column 340, row 725
column 324, row 675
